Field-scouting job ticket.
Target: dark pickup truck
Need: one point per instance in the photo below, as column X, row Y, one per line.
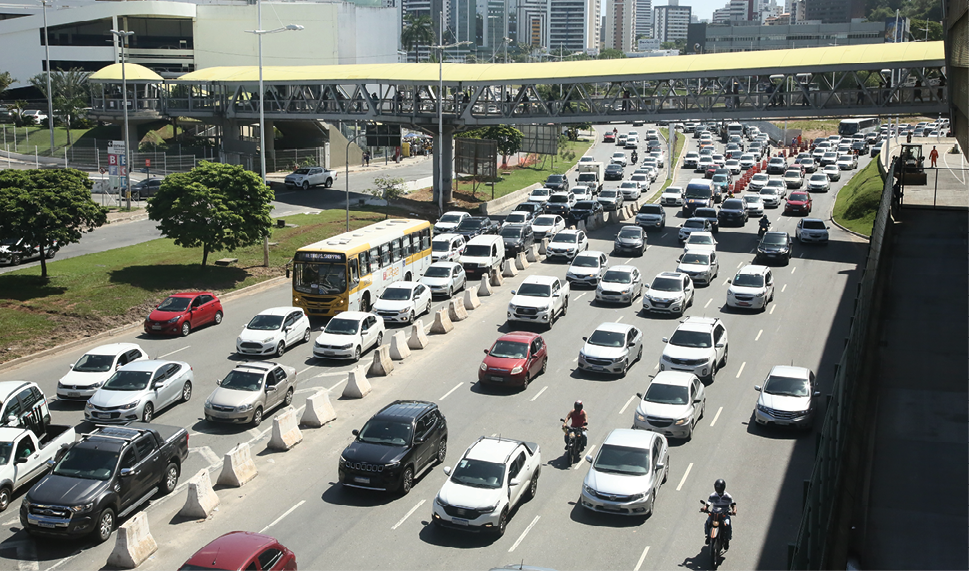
column 104, row 476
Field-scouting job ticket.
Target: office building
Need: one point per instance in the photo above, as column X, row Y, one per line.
column 532, row 23
column 721, row 38
column 644, row 18
column 834, row 11
column 574, row 25
column 620, row 31
column 671, row 22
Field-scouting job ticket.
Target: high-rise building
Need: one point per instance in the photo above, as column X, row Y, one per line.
column 532, row 23
column 671, row 22
column 620, row 31
column 433, row 10
column 834, row 11
column 644, row 18
column 574, row 25
column 740, row 10
column 721, row 15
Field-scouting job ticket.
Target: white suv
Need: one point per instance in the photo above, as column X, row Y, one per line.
column 670, row 292
column 698, row 346
column 539, row 299
column 751, row 288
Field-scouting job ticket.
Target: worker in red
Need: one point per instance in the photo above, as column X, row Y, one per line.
column 934, row 156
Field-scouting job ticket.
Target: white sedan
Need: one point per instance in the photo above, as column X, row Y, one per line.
column 96, row 366
column 272, row 331
column 547, row 225
column 619, row 158
column 672, row 196
column 445, row 278
column 348, row 335
column 403, row 302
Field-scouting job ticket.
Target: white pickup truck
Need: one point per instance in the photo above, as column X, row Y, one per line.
column 23, row 457
column 306, row 177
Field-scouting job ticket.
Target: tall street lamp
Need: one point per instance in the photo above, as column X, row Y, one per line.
column 262, row 113
column 50, row 96
column 439, row 144
column 122, row 35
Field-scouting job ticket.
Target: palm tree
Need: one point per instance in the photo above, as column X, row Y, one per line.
column 418, row 31
column 71, row 94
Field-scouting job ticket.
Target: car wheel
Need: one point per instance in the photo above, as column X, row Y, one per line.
column 726, row 351
column 306, row 185
column 565, row 307
column 328, row 183
column 186, row 329
column 666, row 472
column 406, row 481
column 257, row 417
column 289, row 397
column 356, row 354
column 171, row 479
column 625, row 368
column 442, row 451
column 15, row 260
column 105, row 526
column 713, row 372
column 527, row 380
column 380, row 339
column 450, row 292
column 544, row 366
column 533, row 486
column 652, row 504
column 502, row 523
column 427, row 309
column 411, row 317
column 187, row 391
column 306, row 335
column 218, row 317
column 4, row 498
column 639, row 355
column 280, row 349
column 689, row 435
column 148, row 413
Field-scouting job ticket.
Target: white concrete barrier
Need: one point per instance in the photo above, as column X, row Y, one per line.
column 237, row 467
column 599, row 220
column 456, row 311
column 201, row 499
column 520, row 262
column 319, row 410
column 508, row 269
column 286, row 432
column 614, row 217
column 442, row 323
column 471, row 301
column 543, row 247
column 382, row 364
column 134, row 543
column 357, row 384
column 485, row 288
column 418, row 337
column 582, row 226
column 398, row 347
column 532, row 254
column 497, row 279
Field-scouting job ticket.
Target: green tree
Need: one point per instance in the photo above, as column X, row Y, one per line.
column 509, row 139
column 388, row 188
column 5, row 81
column 418, row 31
column 72, row 93
column 47, row 207
column 611, row 54
column 215, row 206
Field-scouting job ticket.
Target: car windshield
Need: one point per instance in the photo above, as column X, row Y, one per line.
column 732, row 204
column 437, row 272
column 534, row 290
column 470, row 224
column 720, row 178
column 478, row 473
column 752, row 199
column 565, row 238
column 694, row 224
column 651, row 209
column 775, row 238
column 128, row 381
column 687, row 338
column 699, row 239
column 518, row 217
column 478, row 251
column 618, row 277
column 94, row 363
column 242, row 381
column 87, row 463
column 819, row 178
column 559, row 198
column 813, row 225
column 630, row 232
column 545, row 221
column 397, row 294
column 9, row 241
column 584, row 205
column 302, row 171
column 338, row 326
column 440, row 245
column 695, row 258
column 748, row 280
column 705, row 213
column 622, row 460
column 555, row 178
column 391, row 432
column 175, row 304
column 451, row 218
column 607, row 338
column 540, row 192
column 667, row 394
column 787, row 387
column 511, row 232
column 509, row 350
column 586, row 262
column 667, row 284
column 798, row 197
column 265, row 323
column 608, row 194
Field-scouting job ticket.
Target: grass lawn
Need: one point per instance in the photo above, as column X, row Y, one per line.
column 95, row 292
column 858, row 201
column 29, row 137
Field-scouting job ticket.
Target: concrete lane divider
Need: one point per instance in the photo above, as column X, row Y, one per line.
column 497, row 279
column 599, row 221
column 485, row 288
column 382, row 364
column 442, row 323
column 286, row 432
column 357, row 384
column 456, row 311
column 319, row 410
column 471, row 301
column 532, row 254
column 134, row 543
column 237, row 467
column 581, row 226
column 398, row 347
column 418, row 337
column 508, row 269
column 201, row 499
column 543, row 247
column 520, row 262
column 614, row 217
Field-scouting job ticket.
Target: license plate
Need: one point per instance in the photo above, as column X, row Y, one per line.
column 459, row 521
column 595, row 367
column 498, row 379
column 329, row 353
column 361, row 480
column 155, row 327
column 73, row 395
column 784, row 422
column 44, row 524
column 744, row 303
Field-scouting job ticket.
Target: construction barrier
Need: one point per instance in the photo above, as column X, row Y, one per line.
column 520, row 262
column 485, row 288
column 497, row 279
column 134, row 543
column 237, row 467
column 286, row 432
column 471, row 301
column 532, row 254
column 418, row 338
column 442, row 324
column 382, row 364
column 357, row 384
column 398, row 347
column 508, row 269
column 319, row 411
column 456, row 311
column 201, row 499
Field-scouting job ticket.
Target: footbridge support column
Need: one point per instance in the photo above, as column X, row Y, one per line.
column 444, row 161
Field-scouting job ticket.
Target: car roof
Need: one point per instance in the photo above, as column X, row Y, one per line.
column 613, row 326
column 405, row 409
column 444, row 265
column 404, row 284
column 149, row 365
column 491, row 449
column 790, row 371
column 676, row 378
column 630, row 438
column 448, row 236
column 232, row 550
column 590, row 253
column 544, row 280
column 263, row 366
column 113, row 349
column 699, row 323
column 676, row 275
column 520, row 336
column 279, row 310
column 8, row 388
column 191, row 294
column 355, row 315
column 811, row 220
column 692, row 234
column 753, row 269
column 622, row 268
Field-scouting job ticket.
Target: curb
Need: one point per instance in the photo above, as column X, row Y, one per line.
column 20, row 361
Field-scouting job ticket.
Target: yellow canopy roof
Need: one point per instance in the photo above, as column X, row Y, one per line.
column 862, row 57
column 132, row 71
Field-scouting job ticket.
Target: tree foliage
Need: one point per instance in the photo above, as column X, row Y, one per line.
column 47, row 207
column 215, row 206
column 417, row 31
column 879, row 10
column 611, row 54
column 388, row 188
column 6, row 80
column 71, row 93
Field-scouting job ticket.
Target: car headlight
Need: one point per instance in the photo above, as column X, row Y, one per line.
column 391, row 465
column 267, row 339
column 89, row 406
column 640, row 417
column 207, row 403
column 516, row 370
column 440, row 502
column 82, row 508
column 588, row 489
column 682, row 421
column 638, row 496
column 347, row 346
column 244, row 408
column 129, row 406
column 625, row 292
column 174, row 319
column 98, row 385
column 484, row 367
column 403, row 311
column 488, row 509
column 511, row 307
column 762, row 408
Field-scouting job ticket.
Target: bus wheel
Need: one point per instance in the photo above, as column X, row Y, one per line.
column 365, row 303
column 407, row 277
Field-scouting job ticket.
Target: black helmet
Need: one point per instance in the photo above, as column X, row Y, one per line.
column 720, row 486
column 578, row 405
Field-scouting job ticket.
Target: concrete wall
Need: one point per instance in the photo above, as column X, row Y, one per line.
column 499, row 204
column 338, row 150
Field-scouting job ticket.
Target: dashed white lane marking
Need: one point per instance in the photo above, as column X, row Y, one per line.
column 726, row 281
column 664, row 234
column 709, row 301
column 641, row 559
column 524, row 533
column 685, row 475
column 408, row 514
column 656, row 366
column 772, row 308
column 758, row 335
column 751, row 250
column 280, row 518
column 742, row 365
column 173, row 352
column 539, row 394
column 581, row 295
column 207, row 453
column 333, row 374
column 589, row 453
column 304, row 370
column 618, row 319
column 794, row 269
column 623, row 409
column 458, row 386
column 716, row 416
column 801, row 255
column 338, row 384
column 740, row 264
column 783, row 287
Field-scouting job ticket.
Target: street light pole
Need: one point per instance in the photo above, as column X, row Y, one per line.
column 439, row 144
column 50, row 96
column 122, row 35
column 347, row 174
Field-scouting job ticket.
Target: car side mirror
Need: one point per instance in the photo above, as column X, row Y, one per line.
column 719, row 345
column 666, row 339
column 51, row 462
column 816, row 394
column 730, row 281
column 588, row 458
column 514, row 482
column 513, row 292
column 447, row 470
column 660, row 465
column 355, row 432
column 270, row 388
column 585, row 338
column 125, row 472
column 757, row 388
column 22, row 460
column 486, row 352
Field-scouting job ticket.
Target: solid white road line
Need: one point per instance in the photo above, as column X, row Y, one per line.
column 641, row 559
column 589, row 452
column 304, row 370
column 685, row 475
column 451, row 391
column 524, row 533
column 408, row 514
column 740, row 264
column 794, row 269
column 539, row 394
column 709, row 301
column 783, row 287
column 656, row 366
column 664, row 234
column 772, row 308
column 726, row 281
column 716, row 416
column 280, row 518
column 173, row 352
column 62, row 561
column 338, row 384
column 742, row 365
column 580, row 296
column 333, row 374
column 758, row 335
column 623, row 409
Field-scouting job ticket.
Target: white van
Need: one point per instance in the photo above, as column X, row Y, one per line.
column 483, row 254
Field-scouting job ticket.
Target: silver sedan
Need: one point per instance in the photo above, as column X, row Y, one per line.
column 138, row 389
column 612, row 348
column 620, row 284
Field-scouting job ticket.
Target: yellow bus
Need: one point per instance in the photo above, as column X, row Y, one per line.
column 350, row 271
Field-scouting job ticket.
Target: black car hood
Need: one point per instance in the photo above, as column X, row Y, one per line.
column 373, row 453
column 61, row 490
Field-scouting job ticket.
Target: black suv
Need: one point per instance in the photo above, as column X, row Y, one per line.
column 475, row 226
column 557, row 182
column 393, row 447
column 775, row 246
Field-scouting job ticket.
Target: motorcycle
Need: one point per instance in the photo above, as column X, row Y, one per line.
column 715, row 535
column 574, row 451
column 764, row 228
column 635, row 157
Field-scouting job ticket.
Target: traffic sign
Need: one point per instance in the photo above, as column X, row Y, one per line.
column 102, row 170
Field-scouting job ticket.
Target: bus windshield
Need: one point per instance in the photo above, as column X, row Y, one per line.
column 323, row 278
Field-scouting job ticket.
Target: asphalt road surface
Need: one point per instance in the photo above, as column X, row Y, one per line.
column 296, row 498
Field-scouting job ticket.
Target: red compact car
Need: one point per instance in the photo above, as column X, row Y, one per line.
column 514, row 360
column 179, row 314
column 242, row 550
column 798, row 203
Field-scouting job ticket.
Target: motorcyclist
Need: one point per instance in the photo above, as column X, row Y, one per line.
column 635, row 157
column 720, row 498
column 764, row 223
column 579, row 419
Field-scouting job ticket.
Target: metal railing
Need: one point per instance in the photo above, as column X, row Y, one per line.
column 845, row 409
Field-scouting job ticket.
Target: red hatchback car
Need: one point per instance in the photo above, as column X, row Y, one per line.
column 242, row 550
column 514, row 360
column 798, row 202
column 179, row 314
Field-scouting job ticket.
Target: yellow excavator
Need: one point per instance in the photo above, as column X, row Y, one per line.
column 912, row 168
